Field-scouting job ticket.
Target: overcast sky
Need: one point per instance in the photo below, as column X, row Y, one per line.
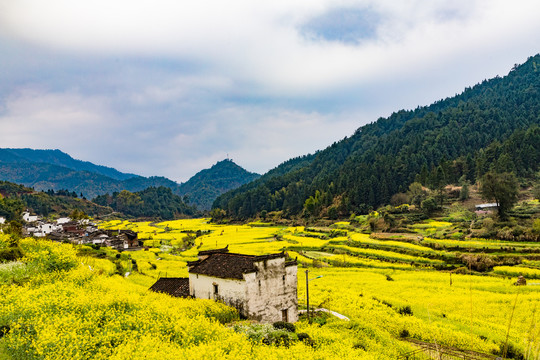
column 170, row 87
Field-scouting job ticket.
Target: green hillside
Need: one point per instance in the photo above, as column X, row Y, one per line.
column 492, row 126
column 153, row 202
column 205, row 186
column 14, row 199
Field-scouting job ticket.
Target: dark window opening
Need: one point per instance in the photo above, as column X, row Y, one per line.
column 285, row 315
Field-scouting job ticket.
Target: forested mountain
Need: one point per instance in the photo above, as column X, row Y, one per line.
column 14, row 199
column 42, row 176
column 153, row 202
column 205, row 186
column 491, row 126
column 55, row 170
column 58, row 158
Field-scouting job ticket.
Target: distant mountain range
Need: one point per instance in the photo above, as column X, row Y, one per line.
column 56, row 170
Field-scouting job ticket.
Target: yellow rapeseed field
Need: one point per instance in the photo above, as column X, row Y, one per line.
column 61, row 302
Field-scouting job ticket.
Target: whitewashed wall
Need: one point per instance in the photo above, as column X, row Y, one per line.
column 231, row 291
column 271, row 290
column 262, row 295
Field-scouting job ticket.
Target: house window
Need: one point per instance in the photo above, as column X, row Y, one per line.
column 285, row 315
column 216, row 289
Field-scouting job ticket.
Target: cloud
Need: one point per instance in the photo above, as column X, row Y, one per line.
column 264, row 43
column 164, row 87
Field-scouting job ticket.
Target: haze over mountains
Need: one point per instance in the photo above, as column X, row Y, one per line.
column 56, row 170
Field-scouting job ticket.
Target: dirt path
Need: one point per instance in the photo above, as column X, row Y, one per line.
column 338, row 315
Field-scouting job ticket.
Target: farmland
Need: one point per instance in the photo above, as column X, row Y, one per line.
column 392, row 287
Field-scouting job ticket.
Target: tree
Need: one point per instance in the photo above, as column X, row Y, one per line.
column 416, row 193
column 502, row 188
column 399, row 199
column 429, row 205
column 536, row 191
column 464, row 192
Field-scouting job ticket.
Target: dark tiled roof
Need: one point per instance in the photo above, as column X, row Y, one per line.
column 214, row 251
column 228, row 265
column 178, row 287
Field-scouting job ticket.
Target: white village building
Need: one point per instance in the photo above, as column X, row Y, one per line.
column 29, row 218
column 262, row 288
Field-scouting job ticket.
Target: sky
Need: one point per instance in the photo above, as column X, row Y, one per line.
column 170, row 87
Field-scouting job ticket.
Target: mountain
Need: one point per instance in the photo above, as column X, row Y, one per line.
column 58, row 158
column 491, row 126
column 205, row 186
column 55, row 170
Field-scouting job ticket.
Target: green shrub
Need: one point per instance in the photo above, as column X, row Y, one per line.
column 284, row 325
column 10, row 254
column 266, row 334
column 405, row 310
column 4, row 329
column 404, row 333
column 511, row 351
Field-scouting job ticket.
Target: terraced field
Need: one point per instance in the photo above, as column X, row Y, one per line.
column 373, row 277
column 393, row 287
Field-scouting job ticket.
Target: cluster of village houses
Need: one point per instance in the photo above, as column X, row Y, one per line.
column 77, row 232
column 262, row 288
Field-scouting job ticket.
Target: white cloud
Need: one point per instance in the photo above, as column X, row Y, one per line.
column 261, row 42
column 41, row 117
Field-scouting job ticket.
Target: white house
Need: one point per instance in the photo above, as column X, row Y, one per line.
column 262, row 288
column 47, row 228
column 486, row 207
column 29, row 218
column 62, row 220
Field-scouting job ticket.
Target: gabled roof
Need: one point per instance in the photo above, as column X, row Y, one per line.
column 214, row 251
column 228, row 265
column 178, row 287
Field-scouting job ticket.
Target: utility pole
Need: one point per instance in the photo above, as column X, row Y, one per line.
column 307, row 296
column 307, row 293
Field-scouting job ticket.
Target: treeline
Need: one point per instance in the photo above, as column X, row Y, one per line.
column 155, row 202
column 491, row 126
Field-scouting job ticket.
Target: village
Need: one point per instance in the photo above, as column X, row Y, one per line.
column 261, row 288
column 77, row 232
